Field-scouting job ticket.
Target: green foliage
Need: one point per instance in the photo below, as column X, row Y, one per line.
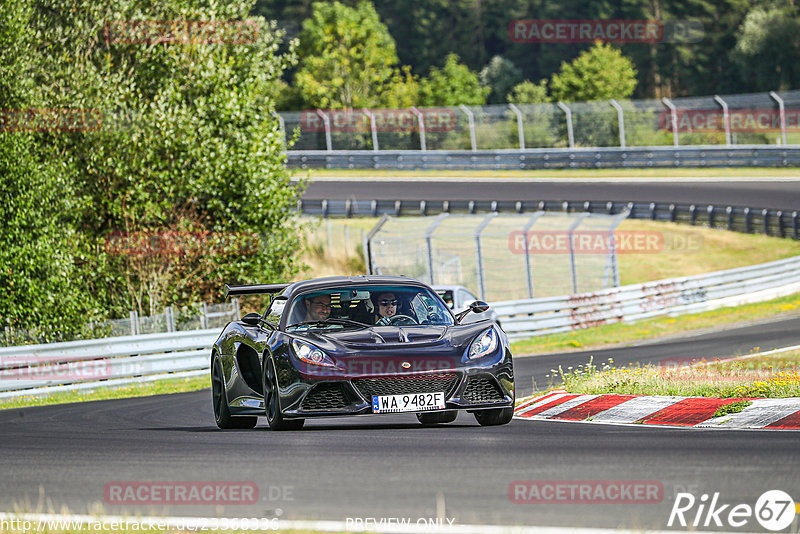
column 528, row 92
column 188, row 150
column 768, row 45
column 348, row 60
column 452, row 85
column 500, row 75
column 600, row 73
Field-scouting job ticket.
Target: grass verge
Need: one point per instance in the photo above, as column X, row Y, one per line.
column 767, row 376
column 144, row 389
column 616, row 333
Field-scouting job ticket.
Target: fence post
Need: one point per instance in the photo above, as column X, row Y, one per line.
column 204, row 318
column 479, row 255
column 327, row 122
column 782, row 112
column 520, row 127
column 428, row 233
column 170, row 317
column 134, row 322
column 282, row 125
column 620, row 121
column 372, row 127
column 237, row 312
column 673, row 117
column 726, row 118
column 471, row 121
column 563, row 107
column 421, row 121
column 525, row 230
column 572, row 269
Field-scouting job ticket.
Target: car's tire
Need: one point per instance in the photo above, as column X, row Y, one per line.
column 222, row 414
column 495, row 416
column 272, row 402
column 437, row 418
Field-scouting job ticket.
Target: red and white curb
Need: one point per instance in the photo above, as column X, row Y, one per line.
column 768, row 414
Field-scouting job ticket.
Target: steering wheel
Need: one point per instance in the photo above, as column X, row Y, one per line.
column 400, row 320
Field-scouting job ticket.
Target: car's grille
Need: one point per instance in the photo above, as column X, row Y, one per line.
column 482, row 389
column 400, row 385
column 325, row 397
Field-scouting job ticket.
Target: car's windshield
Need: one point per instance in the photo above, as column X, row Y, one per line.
column 364, row 306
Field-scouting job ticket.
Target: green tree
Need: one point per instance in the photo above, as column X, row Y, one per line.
column 452, row 85
column 348, row 60
column 528, row 92
column 500, row 75
column 600, row 73
column 768, row 46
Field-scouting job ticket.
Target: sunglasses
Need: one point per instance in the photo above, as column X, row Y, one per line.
column 392, row 302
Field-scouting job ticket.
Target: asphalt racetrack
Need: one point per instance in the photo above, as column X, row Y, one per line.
column 62, row 457
column 774, row 194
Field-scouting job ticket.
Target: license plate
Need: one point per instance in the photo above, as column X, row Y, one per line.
column 414, row 402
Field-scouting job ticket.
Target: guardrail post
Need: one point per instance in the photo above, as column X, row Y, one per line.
column 710, row 210
column 421, row 121
column 795, row 228
column 324, row 208
column 570, row 137
column 479, row 255
column 397, row 204
column 693, row 214
column 620, row 121
column 672, row 213
column 673, row 117
column 729, row 211
column 652, row 211
column 780, row 224
column 372, row 128
column 726, row 118
column 471, row 122
column 520, row 127
column 782, row 112
column 327, row 122
column 765, row 220
column 525, row 230
column 747, row 220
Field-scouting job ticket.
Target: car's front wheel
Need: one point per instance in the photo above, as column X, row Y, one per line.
column 495, row 416
column 437, row 418
column 222, row 415
column 272, row 403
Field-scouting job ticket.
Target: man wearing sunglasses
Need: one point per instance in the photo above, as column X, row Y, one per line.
column 385, row 305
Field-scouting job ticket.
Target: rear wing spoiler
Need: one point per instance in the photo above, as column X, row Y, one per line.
column 256, row 289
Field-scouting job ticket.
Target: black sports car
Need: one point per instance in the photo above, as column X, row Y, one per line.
column 355, row 346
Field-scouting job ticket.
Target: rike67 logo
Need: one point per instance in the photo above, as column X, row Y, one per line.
column 774, row 510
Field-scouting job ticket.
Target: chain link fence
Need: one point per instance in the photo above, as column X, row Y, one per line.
column 501, row 257
column 748, row 119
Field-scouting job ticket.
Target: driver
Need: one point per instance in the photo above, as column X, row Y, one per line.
column 318, row 308
column 385, row 305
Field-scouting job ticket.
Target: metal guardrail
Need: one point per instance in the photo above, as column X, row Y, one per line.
column 550, row 158
column 549, row 315
column 94, row 362
column 740, row 219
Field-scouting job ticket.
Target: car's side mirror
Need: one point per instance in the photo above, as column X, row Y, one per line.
column 252, row 319
column 477, row 306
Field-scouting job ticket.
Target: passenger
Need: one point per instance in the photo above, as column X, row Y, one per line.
column 318, row 308
column 385, row 305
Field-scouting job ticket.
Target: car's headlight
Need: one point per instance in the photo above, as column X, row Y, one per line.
column 311, row 354
column 484, row 344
